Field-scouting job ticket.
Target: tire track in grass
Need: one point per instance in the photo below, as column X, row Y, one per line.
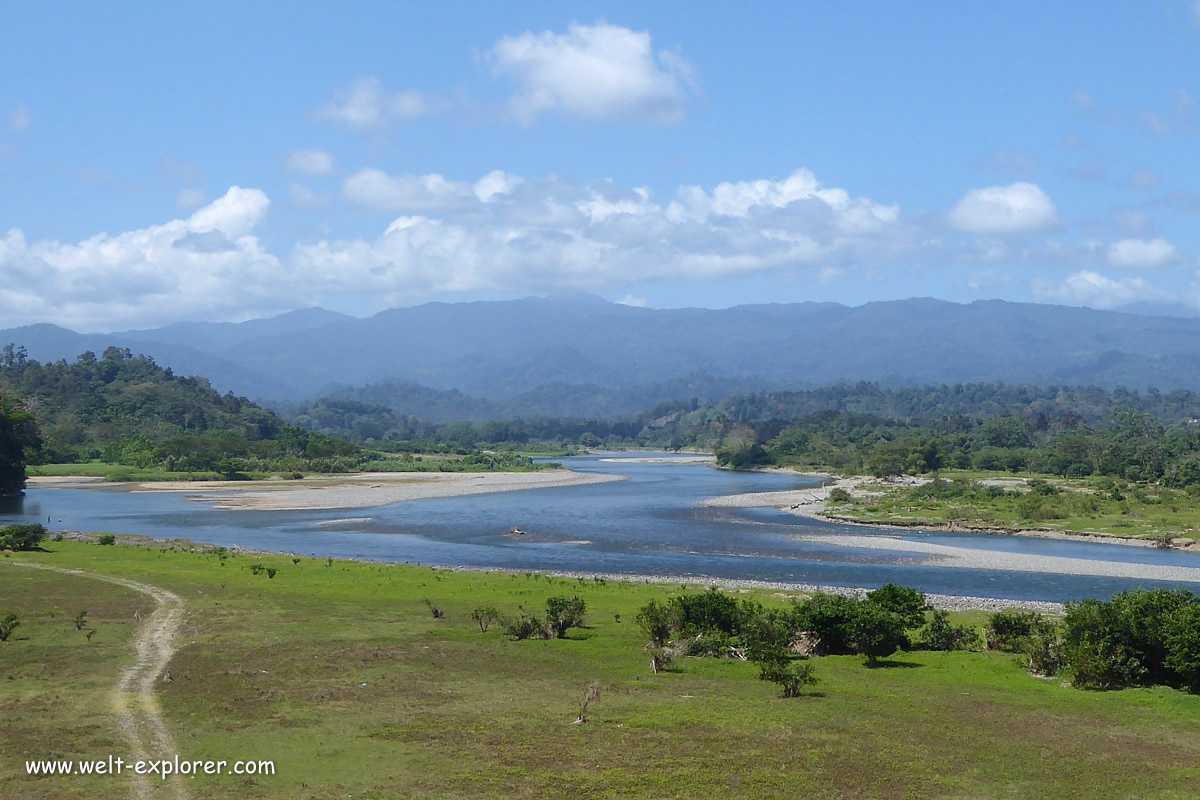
column 138, row 715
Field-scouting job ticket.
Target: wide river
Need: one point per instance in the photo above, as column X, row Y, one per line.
column 648, row 524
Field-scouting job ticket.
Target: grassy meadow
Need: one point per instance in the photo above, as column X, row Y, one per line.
column 339, row 673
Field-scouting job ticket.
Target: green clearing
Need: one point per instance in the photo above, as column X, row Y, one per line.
column 275, row 669
column 1074, row 505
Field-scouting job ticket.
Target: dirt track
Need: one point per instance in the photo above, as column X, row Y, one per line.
column 138, row 715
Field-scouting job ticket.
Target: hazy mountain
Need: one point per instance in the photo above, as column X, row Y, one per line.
column 581, row 355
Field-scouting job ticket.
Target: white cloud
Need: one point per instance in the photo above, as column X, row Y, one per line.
column 633, row 301
column 189, row 199
column 378, row 190
column 1016, row 208
column 309, row 162
column 20, row 118
column 204, row 265
column 1141, row 253
column 1144, row 178
column 367, row 105
column 494, row 184
column 597, row 71
column 1087, row 288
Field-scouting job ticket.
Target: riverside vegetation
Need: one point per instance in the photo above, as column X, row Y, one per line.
column 340, row 673
column 122, row 417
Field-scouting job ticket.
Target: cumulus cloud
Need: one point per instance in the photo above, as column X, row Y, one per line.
column 378, row 190
column 599, row 71
column 309, row 162
column 1087, row 288
column 1141, row 253
column 1016, row 208
column 505, row 234
column 367, row 105
column 19, row 118
column 207, row 263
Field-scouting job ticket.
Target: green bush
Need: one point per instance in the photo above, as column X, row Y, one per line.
column 940, row 634
column 106, row 539
column 21, row 537
column 564, row 613
column 655, row 619
column 908, row 604
column 877, row 632
column 705, row 612
column 839, row 495
column 830, row 618
column 7, row 625
column 525, row 627
column 1009, row 630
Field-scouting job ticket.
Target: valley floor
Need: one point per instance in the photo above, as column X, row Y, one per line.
column 339, row 673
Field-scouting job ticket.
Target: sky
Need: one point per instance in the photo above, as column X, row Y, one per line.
column 236, row 160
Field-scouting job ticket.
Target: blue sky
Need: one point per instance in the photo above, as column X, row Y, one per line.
column 238, row 160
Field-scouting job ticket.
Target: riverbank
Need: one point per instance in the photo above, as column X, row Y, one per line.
column 945, row 602
column 328, row 492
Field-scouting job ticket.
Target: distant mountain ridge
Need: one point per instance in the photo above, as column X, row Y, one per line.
column 582, row 356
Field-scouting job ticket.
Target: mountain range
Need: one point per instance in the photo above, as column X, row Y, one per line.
column 580, row 355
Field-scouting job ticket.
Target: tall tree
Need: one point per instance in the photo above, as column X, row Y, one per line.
column 18, row 436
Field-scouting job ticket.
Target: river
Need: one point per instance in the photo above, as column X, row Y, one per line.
column 647, row 524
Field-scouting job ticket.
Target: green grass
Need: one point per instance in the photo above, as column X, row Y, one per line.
column 341, row 675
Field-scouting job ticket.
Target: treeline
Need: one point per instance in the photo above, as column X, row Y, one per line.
column 1128, row 444
column 125, row 409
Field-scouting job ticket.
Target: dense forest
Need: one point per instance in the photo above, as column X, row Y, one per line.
column 124, row 409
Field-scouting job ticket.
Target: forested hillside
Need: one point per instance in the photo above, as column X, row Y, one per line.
column 125, row 409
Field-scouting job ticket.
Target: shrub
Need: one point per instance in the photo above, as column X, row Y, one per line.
column 80, row 620
column 939, row 634
column 776, row 666
column 661, row 658
column 1010, row 629
column 715, row 644
column 655, row 619
column 434, row 610
column 7, row 625
column 256, row 569
column 106, row 539
column 564, row 613
column 525, row 627
column 1044, row 652
column 1183, row 645
column 271, row 571
column 830, row 618
column 908, row 604
column 484, row 616
column 1139, row 637
column 21, row 537
column 839, row 495
column 768, row 632
column 705, row 612
column 877, row 632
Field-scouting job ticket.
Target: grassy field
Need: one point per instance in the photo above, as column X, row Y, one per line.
column 1015, row 502
column 339, row 673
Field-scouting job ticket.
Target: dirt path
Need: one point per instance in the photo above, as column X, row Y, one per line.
column 138, row 714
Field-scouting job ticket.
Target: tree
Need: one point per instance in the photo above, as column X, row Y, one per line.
column 908, row 604
column 564, row 613
column 655, row 619
column 775, row 665
column 830, row 618
column 19, row 438
column 21, row 537
column 7, row 625
column 877, row 632
column 484, row 616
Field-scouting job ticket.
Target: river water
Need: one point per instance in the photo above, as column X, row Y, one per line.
column 647, row 524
